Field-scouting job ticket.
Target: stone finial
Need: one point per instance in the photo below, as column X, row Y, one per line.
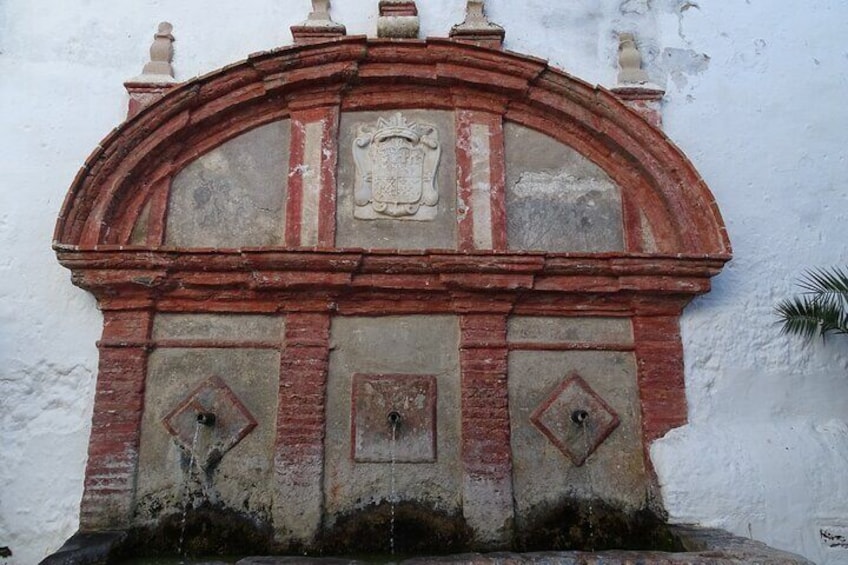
column 646, row 100
column 398, row 19
column 630, row 61
column 477, row 28
column 318, row 26
column 634, row 87
column 159, row 68
column 157, row 76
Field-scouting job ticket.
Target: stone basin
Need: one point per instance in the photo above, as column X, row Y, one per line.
column 702, row 546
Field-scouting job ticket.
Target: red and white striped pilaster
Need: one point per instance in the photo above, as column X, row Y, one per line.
column 311, row 207
column 481, row 181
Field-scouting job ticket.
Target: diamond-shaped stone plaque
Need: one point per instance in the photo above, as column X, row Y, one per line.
column 412, row 400
column 575, row 419
column 232, row 422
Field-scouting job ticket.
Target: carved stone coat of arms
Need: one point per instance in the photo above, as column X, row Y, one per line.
column 396, row 163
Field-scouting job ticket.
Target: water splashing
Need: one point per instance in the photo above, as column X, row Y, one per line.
column 584, row 428
column 394, row 422
column 187, row 490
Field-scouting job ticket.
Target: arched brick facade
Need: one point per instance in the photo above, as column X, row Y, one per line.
column 311, row 282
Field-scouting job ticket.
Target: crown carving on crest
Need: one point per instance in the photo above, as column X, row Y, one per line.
column 398, row 126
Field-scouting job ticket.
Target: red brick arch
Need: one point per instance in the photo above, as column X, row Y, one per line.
column 361, row 74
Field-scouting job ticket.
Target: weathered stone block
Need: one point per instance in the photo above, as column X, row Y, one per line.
column 556, row 199
column 241, row 479
column 543, row 476
column 393, row 418
column 412, row 345
column 527, row 329
column 385, row 231
column 233, row 196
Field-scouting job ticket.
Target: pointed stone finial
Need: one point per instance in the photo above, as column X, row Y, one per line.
column 398, row 19
column 477, row 28
column 157, row 76
column 630, row 61
column 318, row 26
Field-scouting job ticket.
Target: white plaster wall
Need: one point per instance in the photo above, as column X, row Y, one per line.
column 756, row 93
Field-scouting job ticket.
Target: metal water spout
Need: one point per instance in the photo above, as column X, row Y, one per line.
column 394, row 418
column 579, row 417
column 206, row 419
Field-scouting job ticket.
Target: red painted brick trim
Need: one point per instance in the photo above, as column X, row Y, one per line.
column 486, row 449
column 659, row 358
column 299, row 440
column 398, row 8
column 307, row 83
column 142, row 95
column 497, row 148
column 159, row 212
column 367, row 74
column 634, row 238
column 109, row 492
column 294, row 195
column 465, row 211
column 497, row 177
column 329, row 162
column 329, row 118
column 647, row 102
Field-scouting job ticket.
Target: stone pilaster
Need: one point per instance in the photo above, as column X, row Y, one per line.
column 486, row 451
column 311, row 207
column 481, row 181
column 662, row 390
column 299, row 446
column 110, row 475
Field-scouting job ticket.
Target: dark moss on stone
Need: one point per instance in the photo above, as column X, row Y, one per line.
column 209, row 530
column 583, row 525
column 418, row 530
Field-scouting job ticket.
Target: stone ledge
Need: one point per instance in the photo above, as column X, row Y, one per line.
column 705, row 547
column 86, row 549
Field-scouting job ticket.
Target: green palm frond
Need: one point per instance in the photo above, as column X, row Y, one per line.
column 829, row 286
column 823, row 307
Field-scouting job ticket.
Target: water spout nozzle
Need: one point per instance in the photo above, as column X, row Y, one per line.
column 579, row 417
column 206, row 419
column 394, row 418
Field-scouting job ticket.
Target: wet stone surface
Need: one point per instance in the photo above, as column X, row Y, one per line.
column 699, row 546
column 418, row 530
column 209, row 530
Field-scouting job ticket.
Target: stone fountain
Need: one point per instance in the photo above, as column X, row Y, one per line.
column 356, row 282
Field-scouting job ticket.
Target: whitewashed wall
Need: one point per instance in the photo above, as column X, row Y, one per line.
column 756, row 98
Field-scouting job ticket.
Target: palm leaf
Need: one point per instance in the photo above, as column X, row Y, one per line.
column 827, row 285
column 823, row 307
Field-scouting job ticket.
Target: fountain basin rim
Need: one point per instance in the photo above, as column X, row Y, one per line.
column 705, row 546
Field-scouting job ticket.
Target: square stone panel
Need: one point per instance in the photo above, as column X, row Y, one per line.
column 575, row 419
column 397, row 232
column 232, row 422
column 377, row 400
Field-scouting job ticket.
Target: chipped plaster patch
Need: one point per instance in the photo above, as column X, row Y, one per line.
column 680, row 64
column 640, row 7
